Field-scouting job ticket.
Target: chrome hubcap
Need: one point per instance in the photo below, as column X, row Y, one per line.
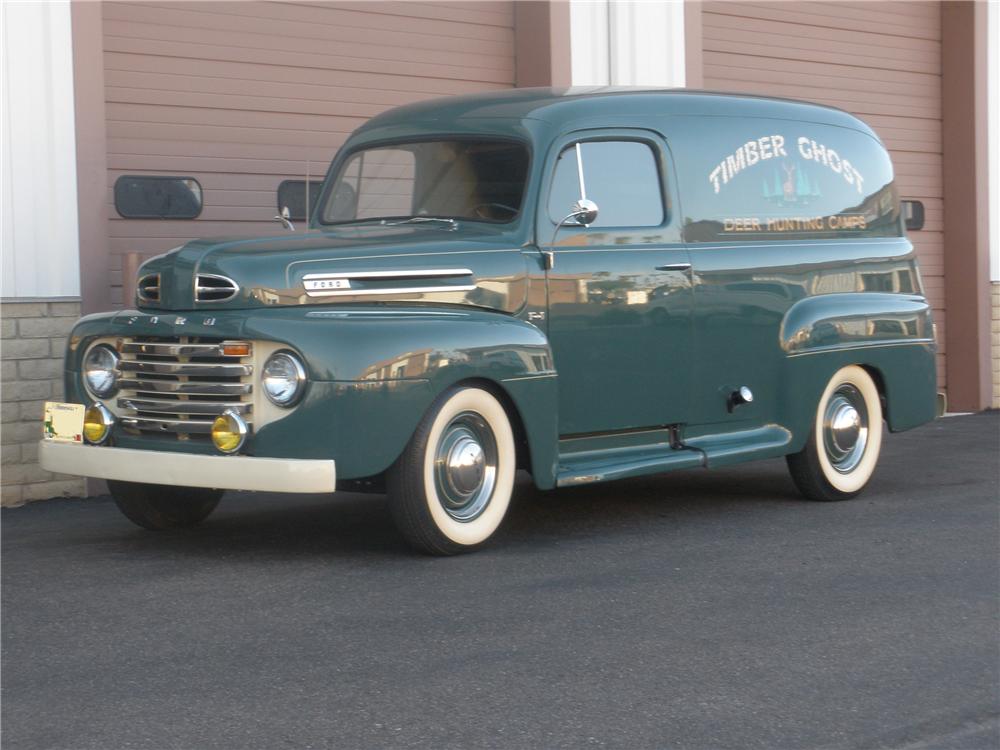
column 465, row 466
column 845, row 428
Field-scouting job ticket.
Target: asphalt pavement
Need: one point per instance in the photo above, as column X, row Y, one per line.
column 699, row 609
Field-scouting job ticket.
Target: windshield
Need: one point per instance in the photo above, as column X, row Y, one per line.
column 474, row 180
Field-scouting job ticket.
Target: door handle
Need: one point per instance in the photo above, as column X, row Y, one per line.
column 675, row 267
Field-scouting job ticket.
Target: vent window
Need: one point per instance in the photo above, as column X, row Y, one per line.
column 212, row 288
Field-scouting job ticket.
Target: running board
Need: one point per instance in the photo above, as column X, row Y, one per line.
column 619, row 463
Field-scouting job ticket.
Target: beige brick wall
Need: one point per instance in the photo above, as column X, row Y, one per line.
column 995, row 341
column 31, row 356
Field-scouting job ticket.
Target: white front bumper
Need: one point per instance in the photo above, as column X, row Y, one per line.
column 189, row 469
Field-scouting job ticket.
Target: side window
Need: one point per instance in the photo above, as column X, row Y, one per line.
column 761, row 179
column 621, row 177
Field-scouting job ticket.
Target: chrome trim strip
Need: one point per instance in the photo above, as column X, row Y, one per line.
column 170, row 406
column 198, row 289
column 417, row 273
column 855, row 346
column 186, row 368
column 188, row 426
column 189, row 388
column 394, row 290
column 181, row 350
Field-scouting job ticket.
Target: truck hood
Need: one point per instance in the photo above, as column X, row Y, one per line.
column 360, row 263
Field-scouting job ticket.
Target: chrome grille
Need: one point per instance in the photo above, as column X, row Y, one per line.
column 178, row 385
column 149, row 287
column 209, row 287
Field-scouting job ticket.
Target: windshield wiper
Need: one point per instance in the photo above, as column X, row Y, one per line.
column 452, row 224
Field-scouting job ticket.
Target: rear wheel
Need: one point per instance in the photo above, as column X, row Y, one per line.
column 450, row 489
column 844, row 444
column 159, row 506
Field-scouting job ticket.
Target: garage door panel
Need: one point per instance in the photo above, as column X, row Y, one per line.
column 851, row 40
column 867, row 15
column 215, row 52
column 860, row 80
column 362, row 17
column 253, row 71
column 174, row 17
column 359, row 48
column 831, row 53
column 263, row 96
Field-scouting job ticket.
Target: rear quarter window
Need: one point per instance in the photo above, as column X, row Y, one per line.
column 777, row 179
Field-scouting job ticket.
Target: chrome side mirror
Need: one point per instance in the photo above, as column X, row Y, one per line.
column 285, row 217
column 584, row 213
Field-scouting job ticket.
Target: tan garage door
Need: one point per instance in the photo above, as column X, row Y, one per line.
column 242, row 95
column 878, row 60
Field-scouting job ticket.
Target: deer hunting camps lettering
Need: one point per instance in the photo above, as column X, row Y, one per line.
column 769, row 147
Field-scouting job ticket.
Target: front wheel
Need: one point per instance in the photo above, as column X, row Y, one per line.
column 844, row 444
column 158, row 506
column 450, row 488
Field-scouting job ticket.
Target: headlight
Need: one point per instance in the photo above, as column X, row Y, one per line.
column 284, row 378
column 100, row 371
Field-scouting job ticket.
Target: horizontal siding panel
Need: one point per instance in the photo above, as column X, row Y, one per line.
column 496, row 43
column 897, row 84
column 254, row 71
column 319, row 61
column 265, row 96
column 861, row 103
column 918, row 20
column 343, row 15
column 360, row 49
column 158, row 114
column 850, row 40
column 137, row 229
column 228, row 24
column 820, row 73
column 250, row 135
column 830, row 53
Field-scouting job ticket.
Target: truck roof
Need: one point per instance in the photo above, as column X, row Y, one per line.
column 557, row 106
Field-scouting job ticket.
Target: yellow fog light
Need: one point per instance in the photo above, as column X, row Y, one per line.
column 229, row 431
column 97, row 422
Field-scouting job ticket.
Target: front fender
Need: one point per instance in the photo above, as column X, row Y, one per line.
column 386, row 367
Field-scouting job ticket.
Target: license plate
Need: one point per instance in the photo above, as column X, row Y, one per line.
column 63, row 422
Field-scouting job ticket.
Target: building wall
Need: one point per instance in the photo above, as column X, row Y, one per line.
column 40, row 280
column 993, row 117
column 244, row 95
column 33, row 342
column 995, row 341
column 40, row 246
column 883, row 66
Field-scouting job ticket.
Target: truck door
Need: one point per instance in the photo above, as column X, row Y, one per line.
column 619, row 290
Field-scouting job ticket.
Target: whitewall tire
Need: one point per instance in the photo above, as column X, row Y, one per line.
column 450, row 488
column 845, row 441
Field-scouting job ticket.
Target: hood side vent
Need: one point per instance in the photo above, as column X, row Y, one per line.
column 212, row 288
column 148, row 288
